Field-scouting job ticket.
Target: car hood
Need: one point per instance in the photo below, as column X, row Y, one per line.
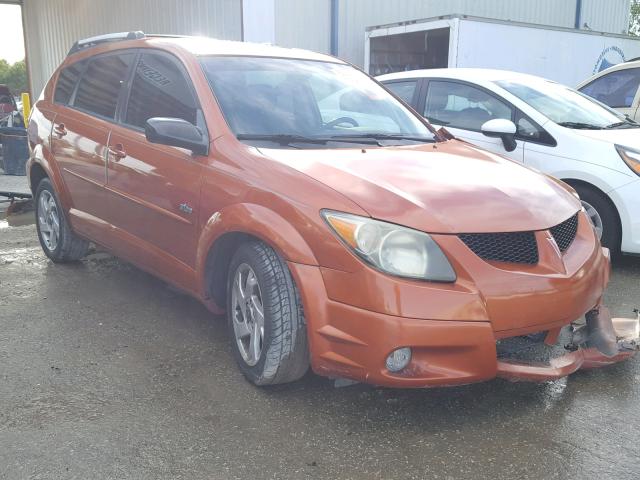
column 448, row 187
column 629, row 137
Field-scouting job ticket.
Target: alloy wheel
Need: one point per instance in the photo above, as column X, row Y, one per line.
column 247, row 314
column 48, row 220
column 595, row 218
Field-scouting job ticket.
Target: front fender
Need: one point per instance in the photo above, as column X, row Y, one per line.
column 255, row 220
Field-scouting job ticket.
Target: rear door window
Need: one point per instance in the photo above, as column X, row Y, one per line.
column 102, row 84
column 460, row 105
column 405, row 89
column 616, row 89
column 160, row 88
column 67, row 81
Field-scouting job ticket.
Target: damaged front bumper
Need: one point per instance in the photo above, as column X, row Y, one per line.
column 598, row 341
column 351, row 342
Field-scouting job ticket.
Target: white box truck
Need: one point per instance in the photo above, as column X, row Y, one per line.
column 562, row 54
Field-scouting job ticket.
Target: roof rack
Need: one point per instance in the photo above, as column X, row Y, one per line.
column 109, row 37
column 166, row 35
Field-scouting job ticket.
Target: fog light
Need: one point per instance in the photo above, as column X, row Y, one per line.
column 398, row 359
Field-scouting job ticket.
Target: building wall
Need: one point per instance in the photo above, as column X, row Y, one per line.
column 304, row 24
column 606, row 15
column 356, row 15
column 51, row 26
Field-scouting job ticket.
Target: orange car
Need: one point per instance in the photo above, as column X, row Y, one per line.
column 334, row 225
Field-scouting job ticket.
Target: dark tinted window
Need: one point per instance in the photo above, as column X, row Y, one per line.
column 617, row 89
column 462, row 106
column 404, row 90
column 67, row 82
column 102, row 83
column 160, row 89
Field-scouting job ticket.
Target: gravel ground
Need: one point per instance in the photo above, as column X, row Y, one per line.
column 106, row 372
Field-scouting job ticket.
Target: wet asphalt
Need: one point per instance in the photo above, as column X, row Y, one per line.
column 108, row 373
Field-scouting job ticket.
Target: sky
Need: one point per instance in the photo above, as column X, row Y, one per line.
column 11, row 39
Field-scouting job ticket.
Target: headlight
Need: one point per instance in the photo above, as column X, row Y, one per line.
column 396, row 250
column 631, row 157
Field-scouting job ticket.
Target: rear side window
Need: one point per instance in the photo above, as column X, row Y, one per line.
column 160, row 88
column 67, row 82
column 463, row 106
column 405, row 89
column 616, row 89
column 102, row 83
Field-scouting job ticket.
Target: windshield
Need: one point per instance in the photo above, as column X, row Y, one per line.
column 565, row 106
column 301, row 102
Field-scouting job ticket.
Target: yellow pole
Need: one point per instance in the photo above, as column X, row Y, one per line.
column 26, row 108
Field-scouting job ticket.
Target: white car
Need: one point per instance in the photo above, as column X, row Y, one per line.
column 617, row 87
column 544, row 125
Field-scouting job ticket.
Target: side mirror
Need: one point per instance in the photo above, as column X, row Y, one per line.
column 176, row 132
column 501, row 128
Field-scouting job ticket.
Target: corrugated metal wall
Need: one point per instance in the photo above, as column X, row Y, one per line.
column 356, row 15
column 304, row 24
column 606, row 16
column 51, row 26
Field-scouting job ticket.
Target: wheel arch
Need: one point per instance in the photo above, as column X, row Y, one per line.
column 36, row 174
column 226, row 230
column 574, row 182
column 41, row 165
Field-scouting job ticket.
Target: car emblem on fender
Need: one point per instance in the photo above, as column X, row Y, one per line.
column 186, row 208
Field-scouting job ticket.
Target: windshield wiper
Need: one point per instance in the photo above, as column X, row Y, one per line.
column 385, row 136
column 580, row 125
column 362, row 139
column 282, row 139
column 626, row 123
column 287, row 139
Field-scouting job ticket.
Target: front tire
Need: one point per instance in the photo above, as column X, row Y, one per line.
column 57, row 240
column 603, row 217
column 265, row 317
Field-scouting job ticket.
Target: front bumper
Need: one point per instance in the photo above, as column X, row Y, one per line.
column 347, row 341
column 598, row 342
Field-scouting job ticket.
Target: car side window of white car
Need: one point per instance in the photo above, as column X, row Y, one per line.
column 460, row 105
column 616, row 89
column 404, row 89
column 529, row 131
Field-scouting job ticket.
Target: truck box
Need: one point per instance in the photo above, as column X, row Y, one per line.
column 562, row 54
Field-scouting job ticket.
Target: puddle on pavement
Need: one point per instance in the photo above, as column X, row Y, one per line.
column 17, row 214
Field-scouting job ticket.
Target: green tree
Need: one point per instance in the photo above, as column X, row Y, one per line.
column 634, row 18
column 4, row 68
column 14, row 76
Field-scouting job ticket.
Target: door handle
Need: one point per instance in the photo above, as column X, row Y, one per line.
column 117, row 152
column 60, row 130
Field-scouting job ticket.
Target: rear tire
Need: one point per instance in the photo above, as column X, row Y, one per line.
column 600, row 210
column 261, row 293
column 57, row 240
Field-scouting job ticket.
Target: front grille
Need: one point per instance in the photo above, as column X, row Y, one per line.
column 516, row 247
column 565, row 232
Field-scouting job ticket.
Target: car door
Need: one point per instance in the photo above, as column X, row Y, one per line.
column 463, row 108
column 617, row 89
column 540, row 148
column 155, row 189
column 85, row 99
